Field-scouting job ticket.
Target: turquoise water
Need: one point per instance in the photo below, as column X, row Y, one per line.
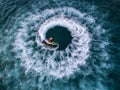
column 90, row 55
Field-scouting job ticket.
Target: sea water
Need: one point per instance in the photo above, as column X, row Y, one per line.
column 90, row 59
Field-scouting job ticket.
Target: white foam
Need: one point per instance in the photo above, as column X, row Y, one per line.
column 74, row 55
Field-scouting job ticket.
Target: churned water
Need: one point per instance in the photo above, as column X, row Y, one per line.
column 88, row 33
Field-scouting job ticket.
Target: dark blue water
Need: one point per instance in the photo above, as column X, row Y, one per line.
column 91, row 56
column 60, row 35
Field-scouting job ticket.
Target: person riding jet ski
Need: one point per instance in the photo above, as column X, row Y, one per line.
column 50, row 42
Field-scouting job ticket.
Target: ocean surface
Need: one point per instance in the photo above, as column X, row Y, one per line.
column 88, row 34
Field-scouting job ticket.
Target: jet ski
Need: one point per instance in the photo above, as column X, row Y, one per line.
column 50, row 44
column 47, row 43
